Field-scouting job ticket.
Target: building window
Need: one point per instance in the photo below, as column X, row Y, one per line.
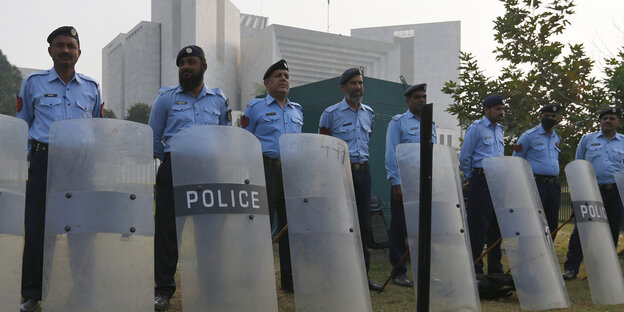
column 441, row 139
column 449, row 140
column 408, row 33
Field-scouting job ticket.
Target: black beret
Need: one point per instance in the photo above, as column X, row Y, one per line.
column 414, row 88
column 493, row 100
column 611, row 111
column 551, row 108
column 68, row 31
column 348, row 74
column 191, row 50
column 281, row 64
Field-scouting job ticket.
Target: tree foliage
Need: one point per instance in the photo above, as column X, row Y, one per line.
column 109, row 113
column 139, row 112
column 10, row 83
column 537, row 69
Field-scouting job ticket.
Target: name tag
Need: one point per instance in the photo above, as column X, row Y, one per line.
column 414, row 128
column 220, row 199
column 50, row 95
column 271, row 114
column 180, row 102
column 347, row 124
column 588, row 211
column 595, row 144
column 539, row 143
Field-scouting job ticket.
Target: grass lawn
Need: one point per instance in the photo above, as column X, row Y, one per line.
column 398, row 299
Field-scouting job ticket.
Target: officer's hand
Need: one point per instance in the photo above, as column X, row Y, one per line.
column 396, row 192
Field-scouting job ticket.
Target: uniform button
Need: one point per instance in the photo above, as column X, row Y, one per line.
column 67, row 89
column 68, row 104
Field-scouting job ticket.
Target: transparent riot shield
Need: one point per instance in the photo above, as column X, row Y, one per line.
column 99, row 230
column 225, row 252
column 325, row 243
column 13, row 172
column 601, row 262
column 453, row 285
column 526, row 236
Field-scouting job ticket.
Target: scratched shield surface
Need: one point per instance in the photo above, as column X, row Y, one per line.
column 325, row 244
column 224, row 235
column 604, row 273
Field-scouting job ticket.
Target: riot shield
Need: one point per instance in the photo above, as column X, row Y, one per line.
column 453, row 284
column 325, row 243
column 225, row 252
column 14, row 168
column 526, row 236
column 99, row 230
column 601, row 262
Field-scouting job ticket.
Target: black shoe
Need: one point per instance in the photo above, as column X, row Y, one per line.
column 374, row 286
column 29, row 305
column 161, row 303
column 402, row 280
column 569, row 275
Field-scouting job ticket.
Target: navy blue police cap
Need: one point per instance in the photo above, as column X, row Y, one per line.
column 191, row 50
column 280, row 65
column 493, row 100
column 414, row 88
column 68, row 31
column 612, row 111
column 551, row 108
column 348, row 74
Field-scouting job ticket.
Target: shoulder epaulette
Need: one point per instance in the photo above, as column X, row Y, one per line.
column 218, row 92
column 366, row 107
column 165, row 89
column 398, row 116
column 532, row 130
column 85, row 77
column 332, row 108
column 255, row 101
column 37, row 73
column 295, row 104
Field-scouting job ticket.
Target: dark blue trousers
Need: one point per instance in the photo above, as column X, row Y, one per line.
column 550, row 194
column 398, row 234
column 277, row 205
column 165, row 236
column 482, row 224
column 613, row 205
column 34, row 222
column 362, row 188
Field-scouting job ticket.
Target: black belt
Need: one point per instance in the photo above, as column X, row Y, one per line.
column 545, row 179
column 38, row 146
column 273, row 162
column 359, row 166
column 607, row 187
column 478, row 171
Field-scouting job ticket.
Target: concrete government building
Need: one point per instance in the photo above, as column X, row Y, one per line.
column 240, row 47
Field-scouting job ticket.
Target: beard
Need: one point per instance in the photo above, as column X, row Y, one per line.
column 355, row 97
column 189, row 83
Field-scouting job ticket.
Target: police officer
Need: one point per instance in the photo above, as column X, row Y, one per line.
column 540, row 147
column 403, row 128
column 352, row 121
column 268, row 119
column 483, row 139
column 45, row 97
column 605, row 150
column 176, row 108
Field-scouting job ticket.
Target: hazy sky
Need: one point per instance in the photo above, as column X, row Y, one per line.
column 599, row 24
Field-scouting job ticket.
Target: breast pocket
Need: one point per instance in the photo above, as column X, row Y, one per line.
column 210, row 116
column 539, row 147
column 181, row 114
column 346, row 133
column 267, row 125
column 592, row 152
column 297, row 124
column 50, row 108
column 617, row 155
column 83, row 109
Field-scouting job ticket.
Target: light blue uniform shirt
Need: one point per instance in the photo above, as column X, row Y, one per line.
column 45, row 98
column 355, row 128
column 267, row 120
column 403, row 128
column 175, row 109
column 483, row 139
column 540, row 150
column 607, row 156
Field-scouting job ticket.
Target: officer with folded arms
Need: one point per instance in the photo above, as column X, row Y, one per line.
column 403, row 128
column 605, row 150
column 45, row 97
column 268, row 119
column 540, row 147
column 483, row 139
column 177, row 108
column 352, row 121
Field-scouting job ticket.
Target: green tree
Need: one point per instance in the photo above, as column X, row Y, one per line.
column 10, row 83
column 139, row 112
column 538, row 70
column 109, row 113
